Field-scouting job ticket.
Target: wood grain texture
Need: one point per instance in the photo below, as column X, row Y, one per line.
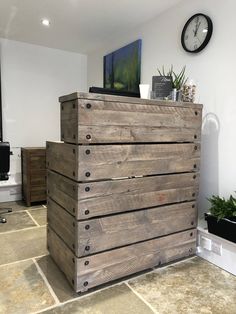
column 100, row 234
column 63, row 158
column 33, row 161
column 62, row 223
column 122, row 189
column 115, row 122
column 99, row 162
column 62, row 256
column 64, row 191
column 134, row 258
column 122, row 99
column 104, row 267
column 86, row 200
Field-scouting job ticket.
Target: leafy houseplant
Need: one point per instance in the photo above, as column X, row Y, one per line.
column 222, row 218
column 222, row 208
column 178, row 80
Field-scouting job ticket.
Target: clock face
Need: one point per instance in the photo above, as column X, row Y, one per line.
column 196, row 33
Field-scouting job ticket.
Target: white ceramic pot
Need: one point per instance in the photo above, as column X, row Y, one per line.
column 144, row 91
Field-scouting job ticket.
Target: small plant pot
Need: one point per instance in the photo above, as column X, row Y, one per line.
column 224, row 228
column 176, row 95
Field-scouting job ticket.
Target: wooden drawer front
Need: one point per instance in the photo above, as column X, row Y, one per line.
column 38, row 193
column 38, row 177
column 37, row 152
column 90, row 121
column 33, row 174
column 86, row 200
column 97, row 235
column 111, row 265
column 86, row 163
column 37, row 162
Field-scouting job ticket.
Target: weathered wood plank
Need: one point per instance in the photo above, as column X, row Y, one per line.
column 114, row 231
column 100, row 234
column 38, row 177
column 122, row 262
column 62, row 223
column 64, row 191
column 38, row 195
column 124, row 200
column 33, row 162
column 86, row 200
column 62, row 158
column 126, row 134
column 62, row 255
column 93, row 96
column 114, row 122
column 112, row 113
column 99, row 162
column 87, row 272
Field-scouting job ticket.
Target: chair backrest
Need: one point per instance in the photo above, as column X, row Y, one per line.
column 4, row 160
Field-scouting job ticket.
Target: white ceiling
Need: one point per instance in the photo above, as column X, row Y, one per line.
column 76, row 25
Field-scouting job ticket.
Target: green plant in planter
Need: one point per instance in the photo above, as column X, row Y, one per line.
column 178, row 80
column 222, row 208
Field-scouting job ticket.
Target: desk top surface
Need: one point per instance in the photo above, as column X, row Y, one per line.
column 122, row 99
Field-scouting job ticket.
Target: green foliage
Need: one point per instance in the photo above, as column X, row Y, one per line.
column 178, row 80
column 122, row 69
column 126, row 72
column 163, row 73
column 222, row 208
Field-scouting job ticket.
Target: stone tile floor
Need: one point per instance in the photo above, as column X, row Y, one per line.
column 30, row 282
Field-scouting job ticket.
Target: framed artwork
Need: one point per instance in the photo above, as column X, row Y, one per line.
column 122, row 68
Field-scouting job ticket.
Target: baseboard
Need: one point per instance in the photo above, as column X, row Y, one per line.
column 10, row 192
column 216, row 250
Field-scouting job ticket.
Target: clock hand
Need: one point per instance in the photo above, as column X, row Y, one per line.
column 198, row 27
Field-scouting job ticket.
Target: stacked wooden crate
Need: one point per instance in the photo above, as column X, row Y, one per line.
column 122, row 187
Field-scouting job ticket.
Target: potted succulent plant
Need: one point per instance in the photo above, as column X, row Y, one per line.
column 221, row 220
column 178, row 80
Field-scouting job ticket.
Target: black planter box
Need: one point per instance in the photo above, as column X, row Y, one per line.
column 224, row 228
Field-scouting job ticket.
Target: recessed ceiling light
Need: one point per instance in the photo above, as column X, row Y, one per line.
column 45, row 22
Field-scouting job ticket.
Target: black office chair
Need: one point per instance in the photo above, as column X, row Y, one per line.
column 4, row 169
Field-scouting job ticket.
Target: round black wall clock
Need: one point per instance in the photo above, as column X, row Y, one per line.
column 196, row 33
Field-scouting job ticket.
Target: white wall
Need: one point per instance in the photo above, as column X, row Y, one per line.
column 213, row 70
column 33, row 77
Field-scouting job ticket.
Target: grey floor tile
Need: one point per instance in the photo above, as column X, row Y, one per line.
column 19, row 205
column 192, row 286
column 56, row 279
column 16, row 221
column 22, row 289
column 19, row 245
column 115, row 300
column 59, row 282
column 40, row 215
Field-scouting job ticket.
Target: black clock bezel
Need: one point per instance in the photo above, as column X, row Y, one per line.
column 208, row 36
